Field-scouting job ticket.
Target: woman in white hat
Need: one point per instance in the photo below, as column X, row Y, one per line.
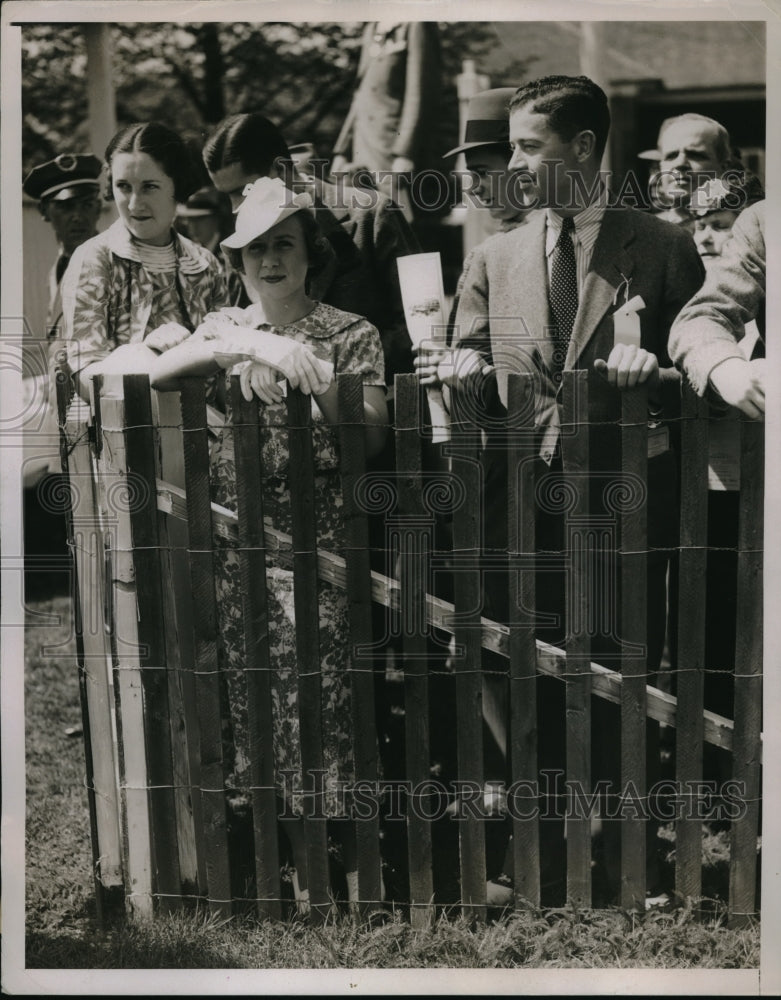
column 287, row 334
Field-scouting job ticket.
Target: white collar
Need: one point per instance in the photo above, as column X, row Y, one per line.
column 191, row 258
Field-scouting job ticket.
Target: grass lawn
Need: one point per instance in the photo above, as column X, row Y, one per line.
column 61, row 928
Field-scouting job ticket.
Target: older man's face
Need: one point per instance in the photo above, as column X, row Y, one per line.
column 688, row 158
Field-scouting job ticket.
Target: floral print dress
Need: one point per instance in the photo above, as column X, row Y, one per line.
column 353, row 345
column 112, row 296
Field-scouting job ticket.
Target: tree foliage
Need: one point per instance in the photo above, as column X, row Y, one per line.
column 189, row 76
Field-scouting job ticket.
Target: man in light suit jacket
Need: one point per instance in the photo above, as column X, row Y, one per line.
column 510, row 319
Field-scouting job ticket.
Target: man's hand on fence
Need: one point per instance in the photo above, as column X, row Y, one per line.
column 628, row 366
column 166, row 336
column 742, row 384
column 438, row 365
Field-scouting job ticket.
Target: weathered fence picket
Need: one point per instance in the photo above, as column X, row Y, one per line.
column 467, row 543
column 692, row 564
column 522, row 648
column 304, row 530
column 252, row 562
column 631, row 501
column 575, row 452
column 411, row 536
column 352, row 436
column 115, row 499
column 747, row 748
column 93, row 654
column 148, row 568
column 205, row 665
column 179, row 649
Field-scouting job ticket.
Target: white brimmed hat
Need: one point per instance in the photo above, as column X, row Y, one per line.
column 266, row 202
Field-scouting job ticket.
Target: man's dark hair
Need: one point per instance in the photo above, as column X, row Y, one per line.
column 248, row 139
column 572, row 104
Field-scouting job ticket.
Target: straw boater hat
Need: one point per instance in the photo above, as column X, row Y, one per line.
column 487, row 120
column 266, row 202
column 69, row 175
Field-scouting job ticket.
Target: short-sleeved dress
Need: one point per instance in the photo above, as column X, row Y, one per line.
column 352, row 345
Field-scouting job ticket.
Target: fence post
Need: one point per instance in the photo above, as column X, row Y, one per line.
column 205, row 665
column 413, row 584
column 634, row 596
column 575, row 451
column 252, row 559
column 148, row 568
column 305, row 595
column 178, row 616
column 747, row 747
column 92, row 647
column 116, row 497
column 467, row 544
column 522, row 646
column 691, row 636
column 352, row 439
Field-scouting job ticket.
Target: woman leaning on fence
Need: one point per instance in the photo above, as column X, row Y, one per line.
column 139, row 282
column 278, row 248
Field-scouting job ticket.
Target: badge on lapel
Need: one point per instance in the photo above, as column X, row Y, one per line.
column 626, row 318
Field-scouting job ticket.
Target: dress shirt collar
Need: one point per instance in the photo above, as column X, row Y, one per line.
column 587, row 223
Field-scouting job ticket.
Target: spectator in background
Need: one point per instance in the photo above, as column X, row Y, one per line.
column 487, row 155
column 365, row 228
column 692, row 150
column 206, row 218
column 393, row 112
column 68, row 193
column 705, row 338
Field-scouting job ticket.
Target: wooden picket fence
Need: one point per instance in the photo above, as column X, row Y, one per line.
column 142, row 528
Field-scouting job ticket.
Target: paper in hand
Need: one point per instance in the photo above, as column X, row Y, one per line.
column 423, row 297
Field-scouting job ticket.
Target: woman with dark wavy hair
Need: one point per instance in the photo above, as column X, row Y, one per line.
column 139, row 282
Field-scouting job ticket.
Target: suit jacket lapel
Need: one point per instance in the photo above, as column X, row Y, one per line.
column 520, row 317
column 529, row 285
column 610, row 264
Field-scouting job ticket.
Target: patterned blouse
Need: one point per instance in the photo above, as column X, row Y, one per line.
column 112, row 296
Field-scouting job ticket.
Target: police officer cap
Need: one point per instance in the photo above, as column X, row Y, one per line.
column 69, row 175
